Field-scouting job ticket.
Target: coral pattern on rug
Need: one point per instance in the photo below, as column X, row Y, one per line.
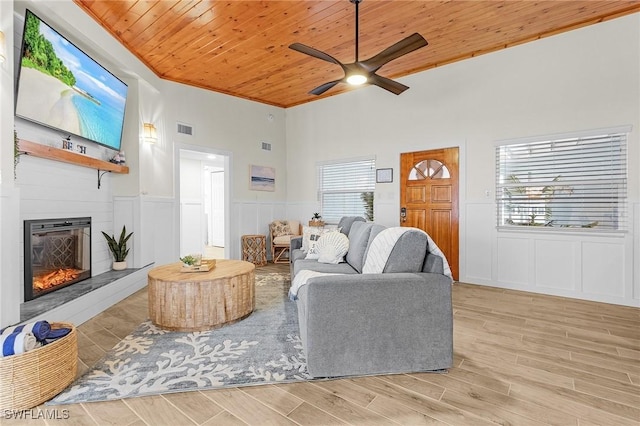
column 263, row 348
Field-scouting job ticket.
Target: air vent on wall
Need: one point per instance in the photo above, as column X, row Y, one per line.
column 266, row 146
column 185, row 129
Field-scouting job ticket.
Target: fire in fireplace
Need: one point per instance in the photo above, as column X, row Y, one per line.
column 57, row 253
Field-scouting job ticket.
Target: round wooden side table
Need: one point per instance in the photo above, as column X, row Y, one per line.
column 254, row 249
column 198, row 301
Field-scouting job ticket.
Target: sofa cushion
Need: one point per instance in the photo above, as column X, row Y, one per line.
column 314, row 265
column 375, row 230
column 283, row 239
column 346, row 221
column 433, row 264
column 408, row 253
column 358, row 240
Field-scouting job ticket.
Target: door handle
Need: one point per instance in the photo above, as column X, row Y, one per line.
column 403, row 214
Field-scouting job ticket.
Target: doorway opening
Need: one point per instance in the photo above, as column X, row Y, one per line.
column 204, row 202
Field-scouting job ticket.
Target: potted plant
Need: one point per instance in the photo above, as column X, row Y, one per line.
column 316, row 220
column 118, row 248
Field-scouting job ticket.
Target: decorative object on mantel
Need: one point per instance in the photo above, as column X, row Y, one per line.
column 118, row 249
column 316, row 220
column 119, row 158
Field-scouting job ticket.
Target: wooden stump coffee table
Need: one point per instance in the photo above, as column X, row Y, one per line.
column 198, row 301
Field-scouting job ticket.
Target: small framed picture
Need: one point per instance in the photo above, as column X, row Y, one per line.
column 384, row 175
column 262, row 178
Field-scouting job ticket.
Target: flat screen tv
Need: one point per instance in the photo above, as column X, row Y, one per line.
column 61, row 87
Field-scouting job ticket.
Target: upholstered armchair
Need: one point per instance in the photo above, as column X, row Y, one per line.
column 280, row 233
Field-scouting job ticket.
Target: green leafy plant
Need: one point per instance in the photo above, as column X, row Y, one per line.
column 118, row 247
column 189, row 260
column 367, row 199
column 316, row 216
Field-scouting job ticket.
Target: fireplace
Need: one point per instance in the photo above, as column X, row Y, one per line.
column 57, row 253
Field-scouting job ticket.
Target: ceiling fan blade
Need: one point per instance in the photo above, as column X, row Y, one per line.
column 387, row 84
column 314, row 52
column 404, row 46
column 324, row 87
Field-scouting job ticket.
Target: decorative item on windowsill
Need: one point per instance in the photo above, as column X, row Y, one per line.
column 195, row 263
column 316, row 220
column 118, row 249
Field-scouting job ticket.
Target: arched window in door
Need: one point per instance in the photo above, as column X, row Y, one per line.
column 429, row 169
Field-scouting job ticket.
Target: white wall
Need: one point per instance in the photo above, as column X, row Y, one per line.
column 584, row 79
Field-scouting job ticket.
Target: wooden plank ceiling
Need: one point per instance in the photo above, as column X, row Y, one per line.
column 241, row 47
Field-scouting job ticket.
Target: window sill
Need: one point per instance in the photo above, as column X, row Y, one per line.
column 548, row 230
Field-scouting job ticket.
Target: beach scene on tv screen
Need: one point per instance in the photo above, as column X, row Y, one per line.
column 61, row 87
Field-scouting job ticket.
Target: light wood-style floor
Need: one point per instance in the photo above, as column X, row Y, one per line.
column 520, row 359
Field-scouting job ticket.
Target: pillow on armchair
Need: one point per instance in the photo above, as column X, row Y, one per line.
column 279, row 228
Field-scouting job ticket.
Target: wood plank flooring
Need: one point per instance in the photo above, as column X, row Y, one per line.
column 520, row 359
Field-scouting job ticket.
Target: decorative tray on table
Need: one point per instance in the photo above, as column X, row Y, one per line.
column 205, row 266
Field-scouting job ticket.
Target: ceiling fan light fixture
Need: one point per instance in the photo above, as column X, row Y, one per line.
column 361, row 72
column 356, row 79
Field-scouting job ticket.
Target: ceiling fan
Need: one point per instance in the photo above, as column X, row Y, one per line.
column 361, row 72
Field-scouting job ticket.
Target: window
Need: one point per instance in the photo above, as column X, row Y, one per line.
column 346, row 189
column 576, row 182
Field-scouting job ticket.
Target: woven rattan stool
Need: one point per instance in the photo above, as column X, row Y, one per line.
column 254, row 249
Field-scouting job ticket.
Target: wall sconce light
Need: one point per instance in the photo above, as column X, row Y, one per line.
column 3, row 48
column 149, row 133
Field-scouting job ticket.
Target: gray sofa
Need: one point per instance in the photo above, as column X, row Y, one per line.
column 396, row 321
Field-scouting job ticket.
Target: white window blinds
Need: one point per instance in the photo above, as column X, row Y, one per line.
column 346, row 189
column 571, row 182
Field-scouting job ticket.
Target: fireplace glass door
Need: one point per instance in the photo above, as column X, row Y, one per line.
column 57, row 253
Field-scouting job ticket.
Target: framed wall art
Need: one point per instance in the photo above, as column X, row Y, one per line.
column 384, row 175
column 262, row 178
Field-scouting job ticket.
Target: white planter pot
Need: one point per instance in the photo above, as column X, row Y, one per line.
column 119, row 266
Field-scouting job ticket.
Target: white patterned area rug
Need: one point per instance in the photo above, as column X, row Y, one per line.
column 263, row 348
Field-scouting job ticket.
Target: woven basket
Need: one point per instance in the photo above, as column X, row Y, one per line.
column 36, row 376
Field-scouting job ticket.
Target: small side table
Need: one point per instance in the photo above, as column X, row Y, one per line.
column 254, row 249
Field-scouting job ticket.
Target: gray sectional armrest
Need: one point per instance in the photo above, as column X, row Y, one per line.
column 296, row 243
column 376, row 323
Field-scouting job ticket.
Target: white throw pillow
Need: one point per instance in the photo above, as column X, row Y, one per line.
column 332, row 247
column 311, row 235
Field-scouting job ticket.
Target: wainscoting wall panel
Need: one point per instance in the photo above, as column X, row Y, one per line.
column 592, row 267
column 476, row 260
column 554, row 264
column 514, row 260
column 603, row 269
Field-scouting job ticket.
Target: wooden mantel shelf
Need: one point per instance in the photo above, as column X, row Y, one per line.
column 43, row 151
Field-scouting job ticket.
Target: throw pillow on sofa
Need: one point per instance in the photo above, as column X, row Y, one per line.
column 311, row 235
column 332, row 247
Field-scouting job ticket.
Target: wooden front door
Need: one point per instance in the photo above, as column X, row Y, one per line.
column 429, row 198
